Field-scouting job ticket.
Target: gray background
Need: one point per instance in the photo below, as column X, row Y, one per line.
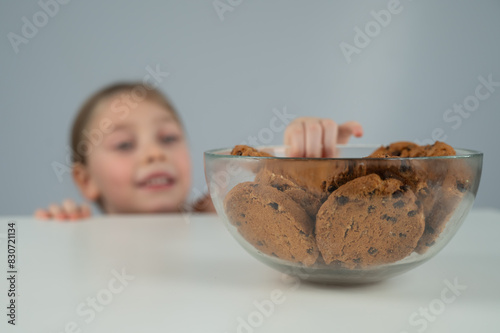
column 226, row 76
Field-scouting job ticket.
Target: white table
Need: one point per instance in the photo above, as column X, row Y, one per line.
column 190, row 275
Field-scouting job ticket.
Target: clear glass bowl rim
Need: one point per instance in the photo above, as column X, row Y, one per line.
column 464, row 153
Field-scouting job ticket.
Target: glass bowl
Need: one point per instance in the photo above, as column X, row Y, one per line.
column 343, row 220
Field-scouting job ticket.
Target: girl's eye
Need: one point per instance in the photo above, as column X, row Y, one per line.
column 169, row 139
column 124, row 146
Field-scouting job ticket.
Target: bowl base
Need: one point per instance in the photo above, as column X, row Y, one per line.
column 343, row 276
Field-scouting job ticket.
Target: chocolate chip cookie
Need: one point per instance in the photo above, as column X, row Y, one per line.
column 444, row 197
column 243, row 150
column 399, row 149
column 272, row 222
column 369, row 221
column 309, row 200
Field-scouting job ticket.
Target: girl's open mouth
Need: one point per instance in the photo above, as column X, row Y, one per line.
column 157, row 181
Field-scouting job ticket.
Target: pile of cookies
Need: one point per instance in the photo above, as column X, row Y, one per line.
column 353, row 213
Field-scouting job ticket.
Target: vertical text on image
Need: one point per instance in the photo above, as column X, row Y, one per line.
column 12, row 273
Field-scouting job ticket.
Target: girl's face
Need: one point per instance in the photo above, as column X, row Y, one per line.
column 142, row 164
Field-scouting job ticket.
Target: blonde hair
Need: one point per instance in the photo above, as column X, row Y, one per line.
column 86, row 111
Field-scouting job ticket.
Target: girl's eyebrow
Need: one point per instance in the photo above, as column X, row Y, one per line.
column 163, row 118
column 167, row 118
column 120, row 127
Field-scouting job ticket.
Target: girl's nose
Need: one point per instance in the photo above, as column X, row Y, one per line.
column 155, row 154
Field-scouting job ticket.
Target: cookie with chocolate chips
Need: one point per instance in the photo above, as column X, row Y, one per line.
column 309, row 174
column 308, row 199
column 409, row 172
column 399, row 149
column 272, row 222
column 243, row 150
column 439, row 148
column 369, row 221
column 444, row 198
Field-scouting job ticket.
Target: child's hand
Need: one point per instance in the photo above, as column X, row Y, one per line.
column 317, row 137
column 69, row 210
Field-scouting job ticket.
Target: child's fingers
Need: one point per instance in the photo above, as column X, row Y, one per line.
column 313, row 137
column 347, row 129
column 330, row 132
column 56, row 212
column 294, row 138
column 67, row 210
column 42, row 214
column 71, row 210
column 317, row 137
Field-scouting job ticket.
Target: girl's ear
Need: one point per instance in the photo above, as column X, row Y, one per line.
column 85, row 182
